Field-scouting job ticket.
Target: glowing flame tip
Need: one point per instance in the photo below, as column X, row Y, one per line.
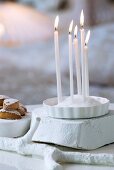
column 56, row 22
column 82, row 18
column 71, row 26
column 75, row 31
column 87, row 37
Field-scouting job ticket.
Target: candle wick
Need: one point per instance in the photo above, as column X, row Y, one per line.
column 75, row 36
column 85, row 44
column 69, row 32
column 55, row 29
column 82, row 26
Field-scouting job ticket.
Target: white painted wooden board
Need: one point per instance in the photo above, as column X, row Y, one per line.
column 52, row 155
column 80, row 134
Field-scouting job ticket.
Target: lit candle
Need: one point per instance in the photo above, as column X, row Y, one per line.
column 86, row 63
column 77, row 61
column 71, row 61
column 82, row 31
column 57, row 61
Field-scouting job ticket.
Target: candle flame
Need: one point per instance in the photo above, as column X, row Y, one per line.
column 2, row 29
column 71, row 26
column 56, row 22
column 82, row 18
column 87, row 37
column 75, row 31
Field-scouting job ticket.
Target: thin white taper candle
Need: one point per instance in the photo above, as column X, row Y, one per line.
column 77, row 61
column 86, row 71
column 86, row 64
column 82, row 31
column 57, row 62
column 71, row 62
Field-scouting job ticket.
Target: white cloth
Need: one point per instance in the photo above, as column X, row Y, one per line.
column 53, row 154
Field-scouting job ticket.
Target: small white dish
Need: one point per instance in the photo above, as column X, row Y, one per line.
column 14, row 128
column 54, row 110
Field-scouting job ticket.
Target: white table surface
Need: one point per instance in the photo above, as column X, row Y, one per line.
column 36, row 163
column 33, row 163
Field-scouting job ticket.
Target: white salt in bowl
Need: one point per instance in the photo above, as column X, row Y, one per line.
column 14, row 128
column 66, row 111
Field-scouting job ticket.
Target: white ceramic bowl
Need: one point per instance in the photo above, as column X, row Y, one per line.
column 55, row 111
column 14, row 128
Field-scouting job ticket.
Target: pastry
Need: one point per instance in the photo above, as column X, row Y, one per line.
column 10, row 104
column 2, row 98
column 4, row 114
column 11, row 108
column 21, row 105
column 22, row 109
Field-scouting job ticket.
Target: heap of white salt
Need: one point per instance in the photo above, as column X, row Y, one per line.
column 80, row 102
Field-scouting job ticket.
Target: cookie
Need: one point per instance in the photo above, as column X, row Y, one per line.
column 2, row 98
column 22, row 109
column 10, row 104
column 4, row 114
